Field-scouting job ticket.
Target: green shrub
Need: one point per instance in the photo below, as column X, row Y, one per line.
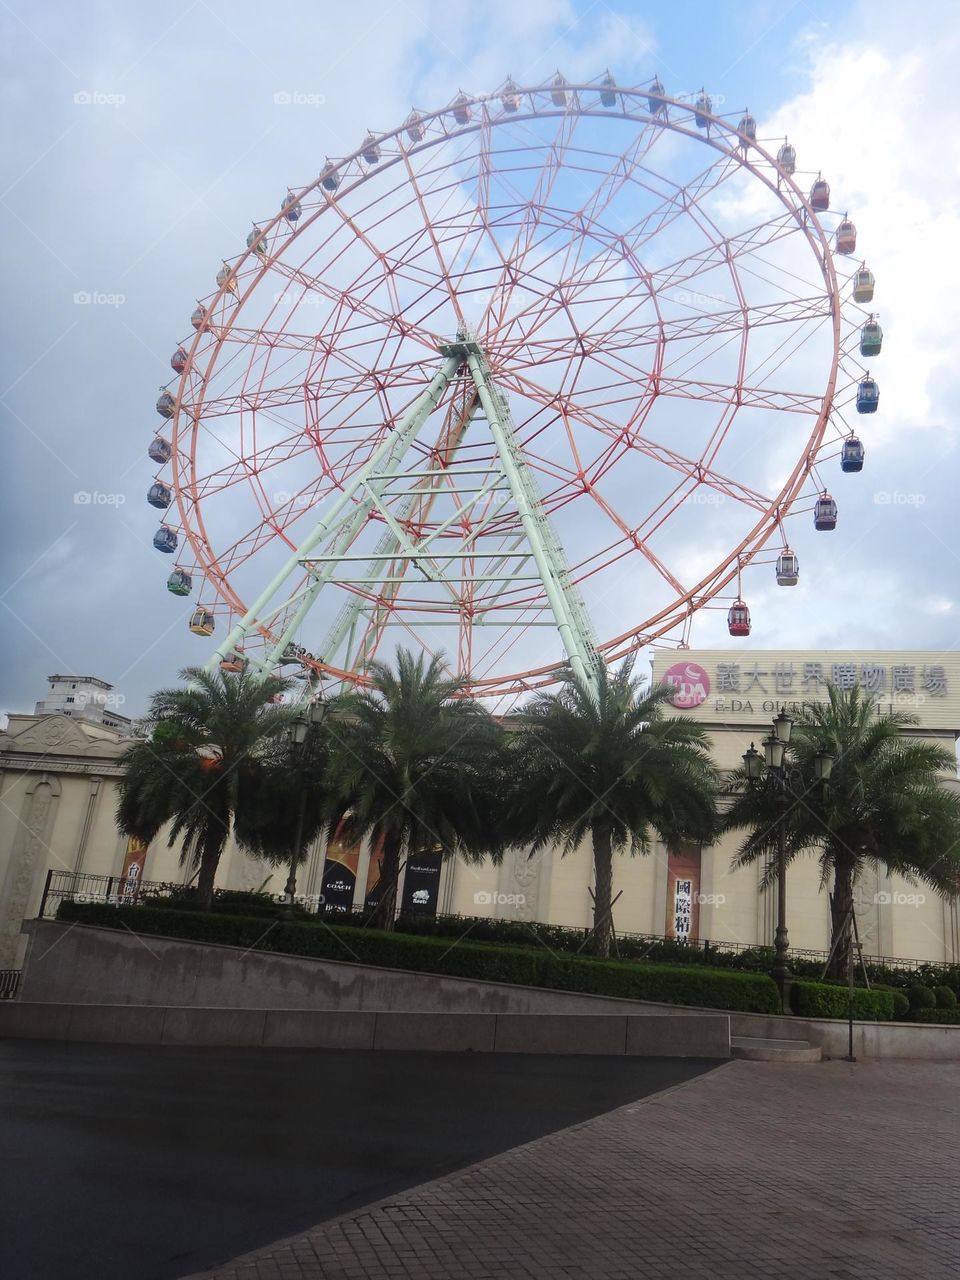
column 831, row 1000
column 949, row 1016
column 526, row 966
column 921, row 997
column 945, row 997
column 901, row 1006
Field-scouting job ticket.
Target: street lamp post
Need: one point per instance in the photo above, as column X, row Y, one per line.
column 298, row 733
column 772, row 763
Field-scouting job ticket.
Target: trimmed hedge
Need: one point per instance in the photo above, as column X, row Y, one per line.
column 901, row 1006
column 525, row 966
column 945, row 997
column 921, row 997
column 949, row 1016
column 828, row 1000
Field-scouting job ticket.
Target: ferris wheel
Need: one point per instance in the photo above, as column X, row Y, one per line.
column 532, row 378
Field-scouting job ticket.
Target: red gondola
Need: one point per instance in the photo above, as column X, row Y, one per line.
column 820, row 195
column 738, row 619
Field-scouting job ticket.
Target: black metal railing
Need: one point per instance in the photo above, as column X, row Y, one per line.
column 120, row 891
column 9, row 983
column 117, row 891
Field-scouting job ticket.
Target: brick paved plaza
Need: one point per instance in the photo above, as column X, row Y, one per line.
column 755, row 1169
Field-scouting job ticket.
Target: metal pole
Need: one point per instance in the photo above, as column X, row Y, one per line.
column 295, row 855
column 850, row 1054
column 46, row 894
column 781, row 942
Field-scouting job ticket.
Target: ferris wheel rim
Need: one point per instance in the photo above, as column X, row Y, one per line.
column 778, row 183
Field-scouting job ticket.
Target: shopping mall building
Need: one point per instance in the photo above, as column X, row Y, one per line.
column 60, row 771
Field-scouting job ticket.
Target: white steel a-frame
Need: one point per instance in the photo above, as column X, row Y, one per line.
column 383, row 490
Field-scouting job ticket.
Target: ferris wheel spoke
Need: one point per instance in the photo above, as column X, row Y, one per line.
column 629, row 438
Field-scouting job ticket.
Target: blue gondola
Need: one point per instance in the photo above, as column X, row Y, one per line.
column 165, row 540
column 825, row 513
column 370, row 150
column 868, row 395
column 331, row 179
column 748, row 128
column 160, row 449
column 159, row 495
column 704, row 106
column 165, row 404
column 655, row 102
column 608, row 91
column 851, row 455
column 291, row 207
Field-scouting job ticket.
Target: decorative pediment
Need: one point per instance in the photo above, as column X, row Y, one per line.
column 58, row 734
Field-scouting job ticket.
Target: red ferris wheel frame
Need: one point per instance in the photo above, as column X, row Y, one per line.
column 513, row 361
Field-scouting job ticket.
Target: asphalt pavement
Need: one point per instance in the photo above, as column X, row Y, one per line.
column 120, row 1161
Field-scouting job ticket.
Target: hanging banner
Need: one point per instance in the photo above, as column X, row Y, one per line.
column 131, row 877
column 372, row 895
column 421, row 885
column 340, row 873
column 683, row 895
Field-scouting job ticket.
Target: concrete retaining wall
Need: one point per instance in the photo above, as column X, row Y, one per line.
column 644, row 1035
column 76, row 964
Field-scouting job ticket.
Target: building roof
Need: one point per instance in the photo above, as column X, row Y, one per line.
column 82, row 680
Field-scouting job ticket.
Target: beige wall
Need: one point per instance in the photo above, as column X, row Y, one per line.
column 58, row 781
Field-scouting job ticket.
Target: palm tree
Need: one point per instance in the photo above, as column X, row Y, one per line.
column 412, row 765
column 286, row 803
column 610, row 766
column 885, row 804
column 197, row 765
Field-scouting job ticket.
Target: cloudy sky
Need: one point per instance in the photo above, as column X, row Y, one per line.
column 143, row 140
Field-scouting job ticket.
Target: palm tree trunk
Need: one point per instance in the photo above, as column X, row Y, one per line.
column 840, row 919
column 215, row 837
column 384, row 913
column 603, row 891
